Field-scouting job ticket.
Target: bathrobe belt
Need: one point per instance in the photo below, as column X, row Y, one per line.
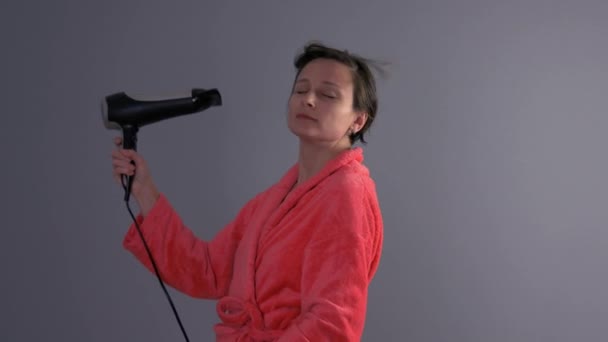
column 240, row 315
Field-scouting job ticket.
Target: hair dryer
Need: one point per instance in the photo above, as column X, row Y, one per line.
column 120, row 111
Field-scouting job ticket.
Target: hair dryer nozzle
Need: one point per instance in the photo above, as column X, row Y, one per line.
column 212, row 96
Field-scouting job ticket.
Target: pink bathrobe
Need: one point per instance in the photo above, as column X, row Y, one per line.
column 292, row 266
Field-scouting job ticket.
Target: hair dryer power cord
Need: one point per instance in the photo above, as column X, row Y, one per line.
column 127, row 188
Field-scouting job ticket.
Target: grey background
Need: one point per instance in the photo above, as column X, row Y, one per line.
column 488, row 152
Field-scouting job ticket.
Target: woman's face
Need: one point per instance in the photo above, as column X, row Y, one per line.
column 321, row 104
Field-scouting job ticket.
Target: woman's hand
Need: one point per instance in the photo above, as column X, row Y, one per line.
column 130, row 163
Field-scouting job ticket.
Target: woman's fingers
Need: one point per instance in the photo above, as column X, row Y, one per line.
column 122, row 164
column 128, row 163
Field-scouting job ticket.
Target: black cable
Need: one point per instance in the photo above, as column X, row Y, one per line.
column 141, row 235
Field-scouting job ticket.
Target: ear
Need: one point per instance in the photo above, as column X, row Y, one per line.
column 360, row 120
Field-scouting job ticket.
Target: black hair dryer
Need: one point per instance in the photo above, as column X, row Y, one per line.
column 122, row 112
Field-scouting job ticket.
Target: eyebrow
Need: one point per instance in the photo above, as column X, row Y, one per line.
column 324, row 82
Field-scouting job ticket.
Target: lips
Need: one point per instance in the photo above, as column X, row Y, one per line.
column 305, row 117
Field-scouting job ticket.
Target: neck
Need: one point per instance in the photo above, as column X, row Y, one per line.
column 312, row 158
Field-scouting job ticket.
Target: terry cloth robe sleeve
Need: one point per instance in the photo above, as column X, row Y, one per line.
column 339, row 263
column 196, row 267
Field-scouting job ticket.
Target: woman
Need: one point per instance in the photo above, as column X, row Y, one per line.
column 296, row 262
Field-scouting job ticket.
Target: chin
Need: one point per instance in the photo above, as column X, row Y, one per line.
column 297, row 130
column 303, row 136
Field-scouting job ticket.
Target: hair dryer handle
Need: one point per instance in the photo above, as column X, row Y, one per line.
column 129, row 137
column 129, row 142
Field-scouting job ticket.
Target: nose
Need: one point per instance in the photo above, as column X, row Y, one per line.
column 308, row 99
